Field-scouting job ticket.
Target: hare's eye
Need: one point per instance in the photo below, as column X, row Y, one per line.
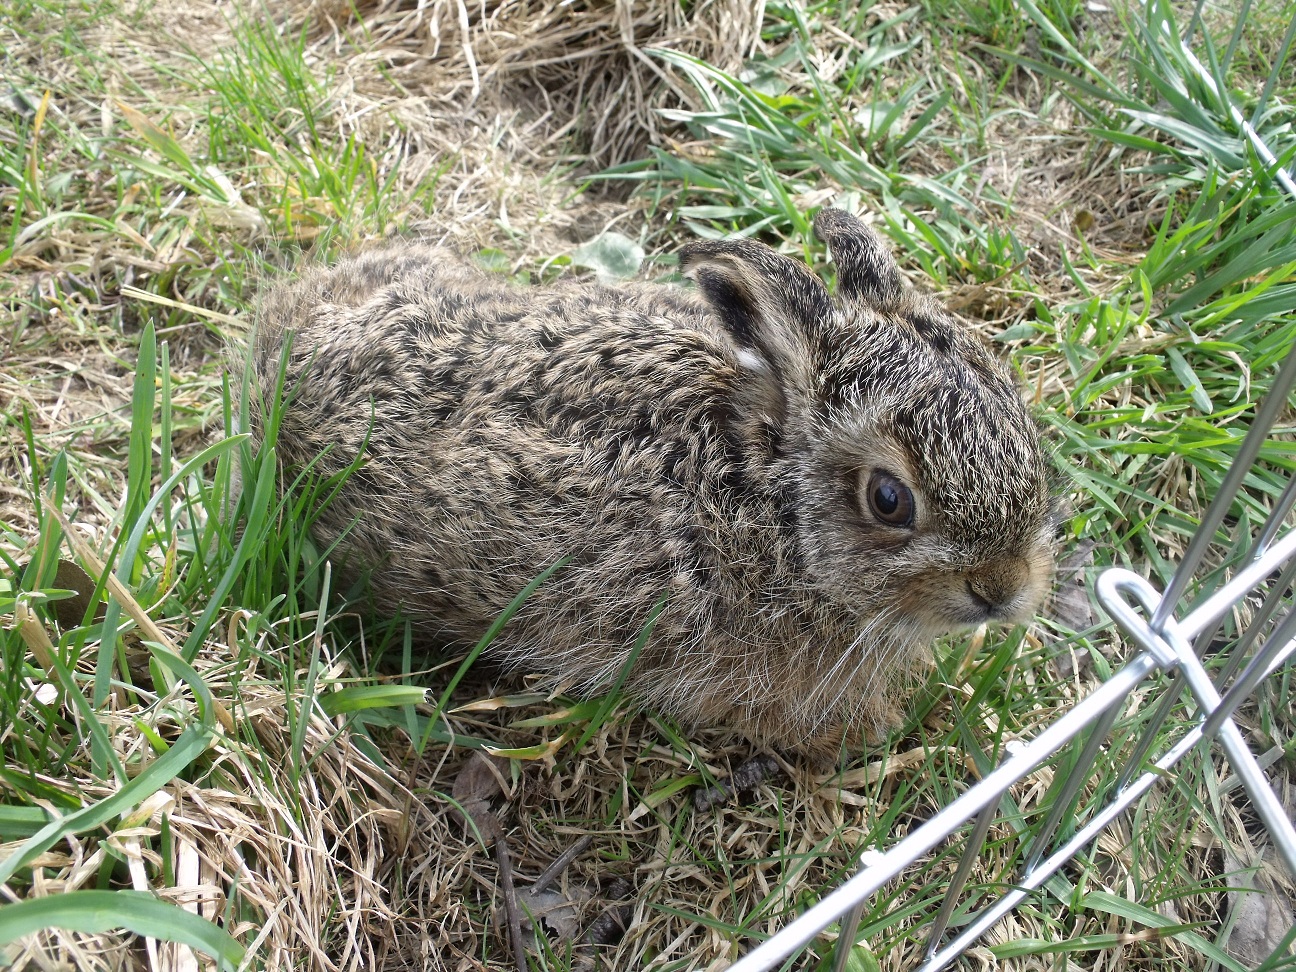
column 890, row 500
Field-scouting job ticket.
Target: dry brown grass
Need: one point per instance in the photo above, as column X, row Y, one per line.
column 300, row 863
column 578, row 72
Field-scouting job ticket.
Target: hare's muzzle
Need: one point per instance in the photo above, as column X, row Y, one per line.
column 1008, row 589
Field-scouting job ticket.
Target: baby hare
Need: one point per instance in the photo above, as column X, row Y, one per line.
column 816, row 487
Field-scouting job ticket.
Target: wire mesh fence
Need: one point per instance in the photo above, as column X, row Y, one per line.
column 1222, row 626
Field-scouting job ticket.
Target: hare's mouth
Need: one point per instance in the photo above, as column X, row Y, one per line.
column 983, row 606
column 954, row 602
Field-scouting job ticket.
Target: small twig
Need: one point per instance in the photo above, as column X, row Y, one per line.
column 560, row 864
column 511, row 907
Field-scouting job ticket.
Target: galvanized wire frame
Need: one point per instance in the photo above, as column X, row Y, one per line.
column 1167, row 643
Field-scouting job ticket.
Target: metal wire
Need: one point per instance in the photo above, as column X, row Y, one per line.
column 1246, row 456
column 975, row 839
column 1117, row 581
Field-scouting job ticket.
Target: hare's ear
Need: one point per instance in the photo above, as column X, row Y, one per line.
column 772, row 305
column 866, row 270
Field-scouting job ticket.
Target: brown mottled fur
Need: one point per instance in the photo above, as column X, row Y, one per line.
column 708, row 445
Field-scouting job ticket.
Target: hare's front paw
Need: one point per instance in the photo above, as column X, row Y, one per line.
column 837, row 742
column 827, row 747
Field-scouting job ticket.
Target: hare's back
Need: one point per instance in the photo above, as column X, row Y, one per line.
column 501, row 426
column 431, row 366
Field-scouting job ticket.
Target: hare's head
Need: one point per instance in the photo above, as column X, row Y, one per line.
column 907, row 463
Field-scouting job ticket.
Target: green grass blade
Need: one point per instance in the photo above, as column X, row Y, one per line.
column 1102, row 901
column 19, row 822
column 491, row 633
column 96, row 912
column 357, row 698
column 191, row 744
column 614, row 696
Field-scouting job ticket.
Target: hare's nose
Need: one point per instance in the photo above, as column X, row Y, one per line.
column 997, row 588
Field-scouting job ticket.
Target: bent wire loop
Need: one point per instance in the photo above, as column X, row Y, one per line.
column 1167, row 644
